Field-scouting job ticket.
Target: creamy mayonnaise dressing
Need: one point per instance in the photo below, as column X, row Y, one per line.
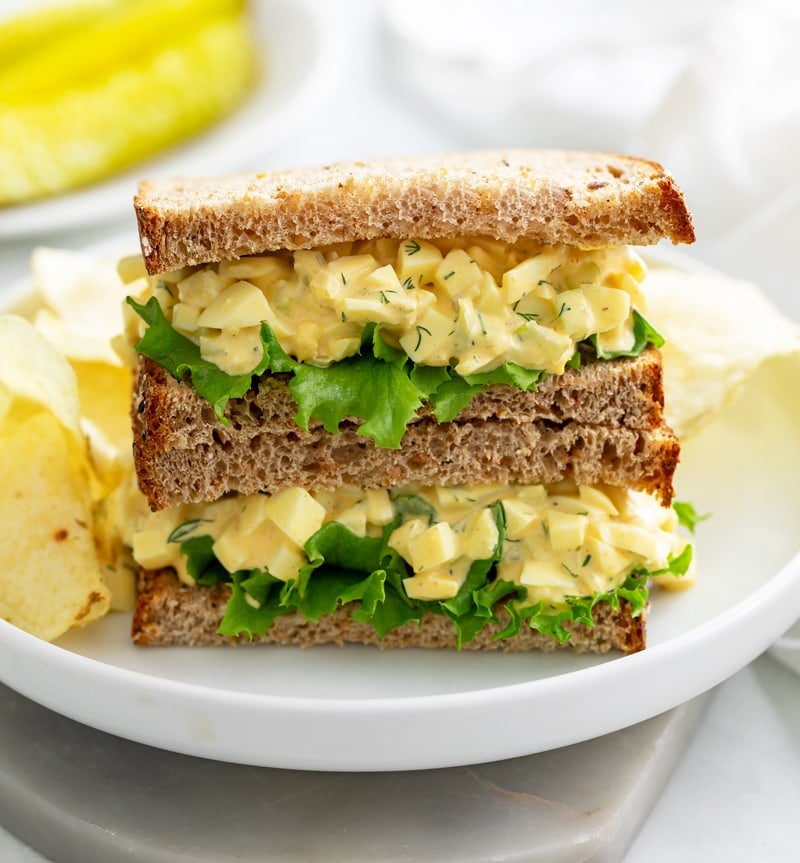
column 561, row 540
column 474, row 303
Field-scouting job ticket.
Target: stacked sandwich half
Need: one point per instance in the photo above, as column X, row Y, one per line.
column 412, row 403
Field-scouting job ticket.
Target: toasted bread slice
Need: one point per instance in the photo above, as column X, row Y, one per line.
column 588, row 200
column 602, row 424
column 170, row 613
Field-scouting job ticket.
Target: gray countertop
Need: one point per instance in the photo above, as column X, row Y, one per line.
column 717, row 779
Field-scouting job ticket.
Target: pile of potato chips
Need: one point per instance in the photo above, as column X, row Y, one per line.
column 64, row 448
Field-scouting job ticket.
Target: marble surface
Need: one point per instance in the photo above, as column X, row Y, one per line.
column 717, row 779
column 733, row 796
column 80, row 796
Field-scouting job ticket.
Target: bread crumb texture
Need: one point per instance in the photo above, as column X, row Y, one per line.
column 601, row 424
column 170, row 613
column 584, row 199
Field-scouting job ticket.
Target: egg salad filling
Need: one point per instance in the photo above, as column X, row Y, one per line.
column 548, row 554
column 416, row 320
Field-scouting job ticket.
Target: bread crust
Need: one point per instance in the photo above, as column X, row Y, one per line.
column 585, row 199
column 602, row 424
column 169, row 613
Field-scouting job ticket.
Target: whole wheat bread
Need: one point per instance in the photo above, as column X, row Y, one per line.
column 602, row 424
column 170, row 613
column 584, row 199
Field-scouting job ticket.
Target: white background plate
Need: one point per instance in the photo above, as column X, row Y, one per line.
column 363, row 709
column 299, row 58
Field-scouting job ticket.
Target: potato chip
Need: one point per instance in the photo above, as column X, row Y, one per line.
column 33, row 372
column 718, row 331
column 79, row 310
column 115, row 514
column 83, row 297
column 84, row 311
column 50, row 579
column 105, row 400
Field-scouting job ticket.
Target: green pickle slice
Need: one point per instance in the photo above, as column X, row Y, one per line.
column 81, row 101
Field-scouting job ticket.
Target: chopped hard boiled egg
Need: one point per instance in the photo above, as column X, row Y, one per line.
column 471, row 303
column 559, row 541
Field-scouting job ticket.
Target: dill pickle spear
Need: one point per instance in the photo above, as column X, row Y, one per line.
column 23, row 34
column 74, row 137
column 118, row 35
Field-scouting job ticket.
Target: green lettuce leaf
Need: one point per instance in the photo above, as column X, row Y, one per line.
column 452, row 396
column 385, row 609
column 677, row 566
column 392, row 613
column 429, row 379
column 410, row 504
column 449, row 393
column 345, row 568
column 551, row 621
column 372, row 340
column 643, row 335
column 379, row 386
column 688, row 515
column 181, row 358
column 338, row 586
column 241, row 618
column 378, row 392
column 201, row 563
column 337, row 546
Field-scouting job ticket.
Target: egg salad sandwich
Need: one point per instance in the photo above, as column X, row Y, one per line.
column 404, row 402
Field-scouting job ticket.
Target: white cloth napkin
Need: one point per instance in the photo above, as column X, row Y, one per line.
column 709, row 88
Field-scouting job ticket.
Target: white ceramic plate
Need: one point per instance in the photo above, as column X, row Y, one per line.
column 363, row 709
column 298, row 48
column 787, row 649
